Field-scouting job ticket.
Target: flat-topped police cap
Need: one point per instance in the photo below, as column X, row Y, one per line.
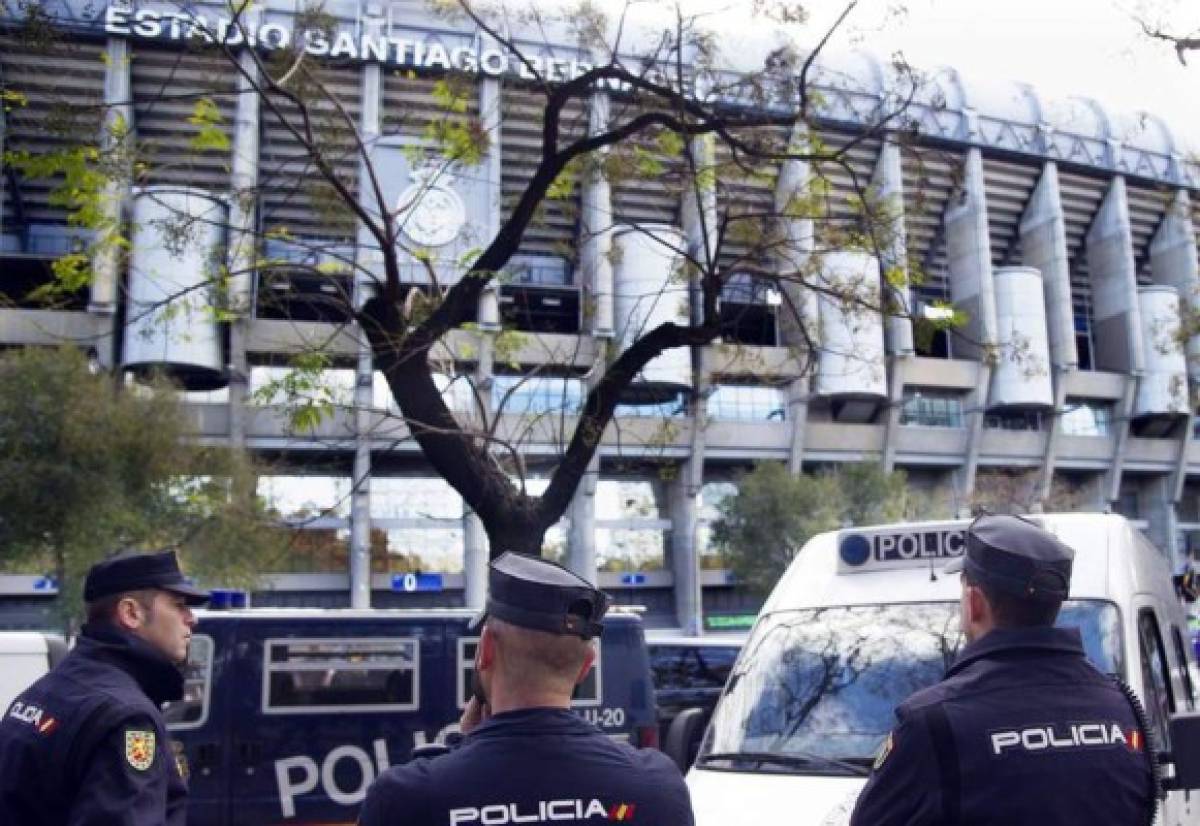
column 536, row 593
column 130, row 571
column 1017, row 557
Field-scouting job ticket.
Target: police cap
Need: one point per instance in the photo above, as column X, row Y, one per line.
column 536, row 593
column 130, row 571
column 1016, row 556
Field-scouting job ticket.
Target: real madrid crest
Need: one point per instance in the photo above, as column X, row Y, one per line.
column 429, row 211
column 139, row 748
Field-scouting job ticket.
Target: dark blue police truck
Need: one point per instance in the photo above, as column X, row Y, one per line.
column 289, row 714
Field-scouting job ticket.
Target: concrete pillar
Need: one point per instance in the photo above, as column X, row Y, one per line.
column 969, row 259
column 684, row 503
column 475, row 560
column 360, row 499
column 698, row 208
column 1117, row 328
column 595, row 231
column 798, row 317
column 1043, row 239
column 243, row 208
column 888, row 185
column 1159, row 512
column 490, row 171
column 798, row 322
column 581, row 535
column 1173, row 262
column 116, row 135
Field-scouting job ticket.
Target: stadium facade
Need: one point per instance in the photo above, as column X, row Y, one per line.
column 1062, row 229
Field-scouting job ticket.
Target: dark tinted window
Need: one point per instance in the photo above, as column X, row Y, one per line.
column 1156, row 680
column 666, row 665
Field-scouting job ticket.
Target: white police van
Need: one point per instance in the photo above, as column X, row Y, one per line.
column 863, row 618
column 290, row 714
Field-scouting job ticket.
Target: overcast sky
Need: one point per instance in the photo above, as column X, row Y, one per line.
column 1063, row 47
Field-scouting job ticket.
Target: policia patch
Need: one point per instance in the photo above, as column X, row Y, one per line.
column 139, row 748
column 885, row 748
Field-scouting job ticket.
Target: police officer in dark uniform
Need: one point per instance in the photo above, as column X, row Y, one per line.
column 86, row 745
column 526, row 757
column 1022, row 729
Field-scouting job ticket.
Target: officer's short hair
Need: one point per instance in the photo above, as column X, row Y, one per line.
column 539, row 655
column 104, row 609
column 1009, row 611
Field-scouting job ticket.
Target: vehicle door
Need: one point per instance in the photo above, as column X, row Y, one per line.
column 198, row 725
column 1185, row 689
column 322, row 707
column 1158, row 697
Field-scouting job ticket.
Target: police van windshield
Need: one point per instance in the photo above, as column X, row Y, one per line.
column 820, row 685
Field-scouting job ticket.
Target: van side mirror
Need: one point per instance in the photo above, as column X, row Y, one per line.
column 1185, row 752
column 685, row 732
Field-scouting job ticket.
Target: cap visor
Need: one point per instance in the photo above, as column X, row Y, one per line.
column 955, row 566
column 194, row 596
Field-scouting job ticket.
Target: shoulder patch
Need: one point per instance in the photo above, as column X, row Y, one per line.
column 139, row 748
column 885, row 748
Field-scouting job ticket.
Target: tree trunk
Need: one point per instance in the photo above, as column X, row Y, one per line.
column 510, row 536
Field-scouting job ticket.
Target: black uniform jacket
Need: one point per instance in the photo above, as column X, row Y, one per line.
column 532, row 766
column 1022, row 730
column 85, row 745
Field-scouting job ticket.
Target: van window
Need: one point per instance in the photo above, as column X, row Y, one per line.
column 825, row 681
column 309, row 676
column 587, row 693
column 192, row 710
column 1185, row 672
column 1160, row 702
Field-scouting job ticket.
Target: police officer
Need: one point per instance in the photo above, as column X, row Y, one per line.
column 1022, row 729
column 86, row 745
column 526, row 757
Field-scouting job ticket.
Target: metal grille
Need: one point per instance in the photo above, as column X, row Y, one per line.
column 64, row 86
column 553, row 229
column 1147, row 206
column 1009, row 185
column 294, row 194
column 930, row 177
column 167, row 84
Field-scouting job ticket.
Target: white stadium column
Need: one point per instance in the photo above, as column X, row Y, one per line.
column 360, row 498
column 969, row 260
column 888, row 185
column 1043, row 239
column 798, row 322
column 1117, row 324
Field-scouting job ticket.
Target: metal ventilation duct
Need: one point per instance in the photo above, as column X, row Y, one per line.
column 851, row 366
column 1021, row 376
column 178, row 241
column 646, row 295
column 1163, row 390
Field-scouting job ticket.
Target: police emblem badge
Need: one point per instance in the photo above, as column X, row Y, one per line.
column 885, row 748
column 139, row 749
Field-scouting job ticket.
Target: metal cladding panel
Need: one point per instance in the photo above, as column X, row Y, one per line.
column 63, row 87
column 178, row 240
column 1148, row 204
column 1109, row 252
column 1042, row 243
column 1021, row 376
column 553, row 230
column 851, row 362
column 1081, row 196
column 168, row 84
column 1163, row 390
column 1009, row 185
column 295, row 196
column 1174, row 262
column 648, row 293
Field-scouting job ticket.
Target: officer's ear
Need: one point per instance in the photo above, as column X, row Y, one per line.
column 130, row 612
column 486, row 653
column 978, row 610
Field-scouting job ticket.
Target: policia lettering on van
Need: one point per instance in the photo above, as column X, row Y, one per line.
column 289, row 715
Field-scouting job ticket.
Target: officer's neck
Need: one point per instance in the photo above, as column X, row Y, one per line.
column 504, row 698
